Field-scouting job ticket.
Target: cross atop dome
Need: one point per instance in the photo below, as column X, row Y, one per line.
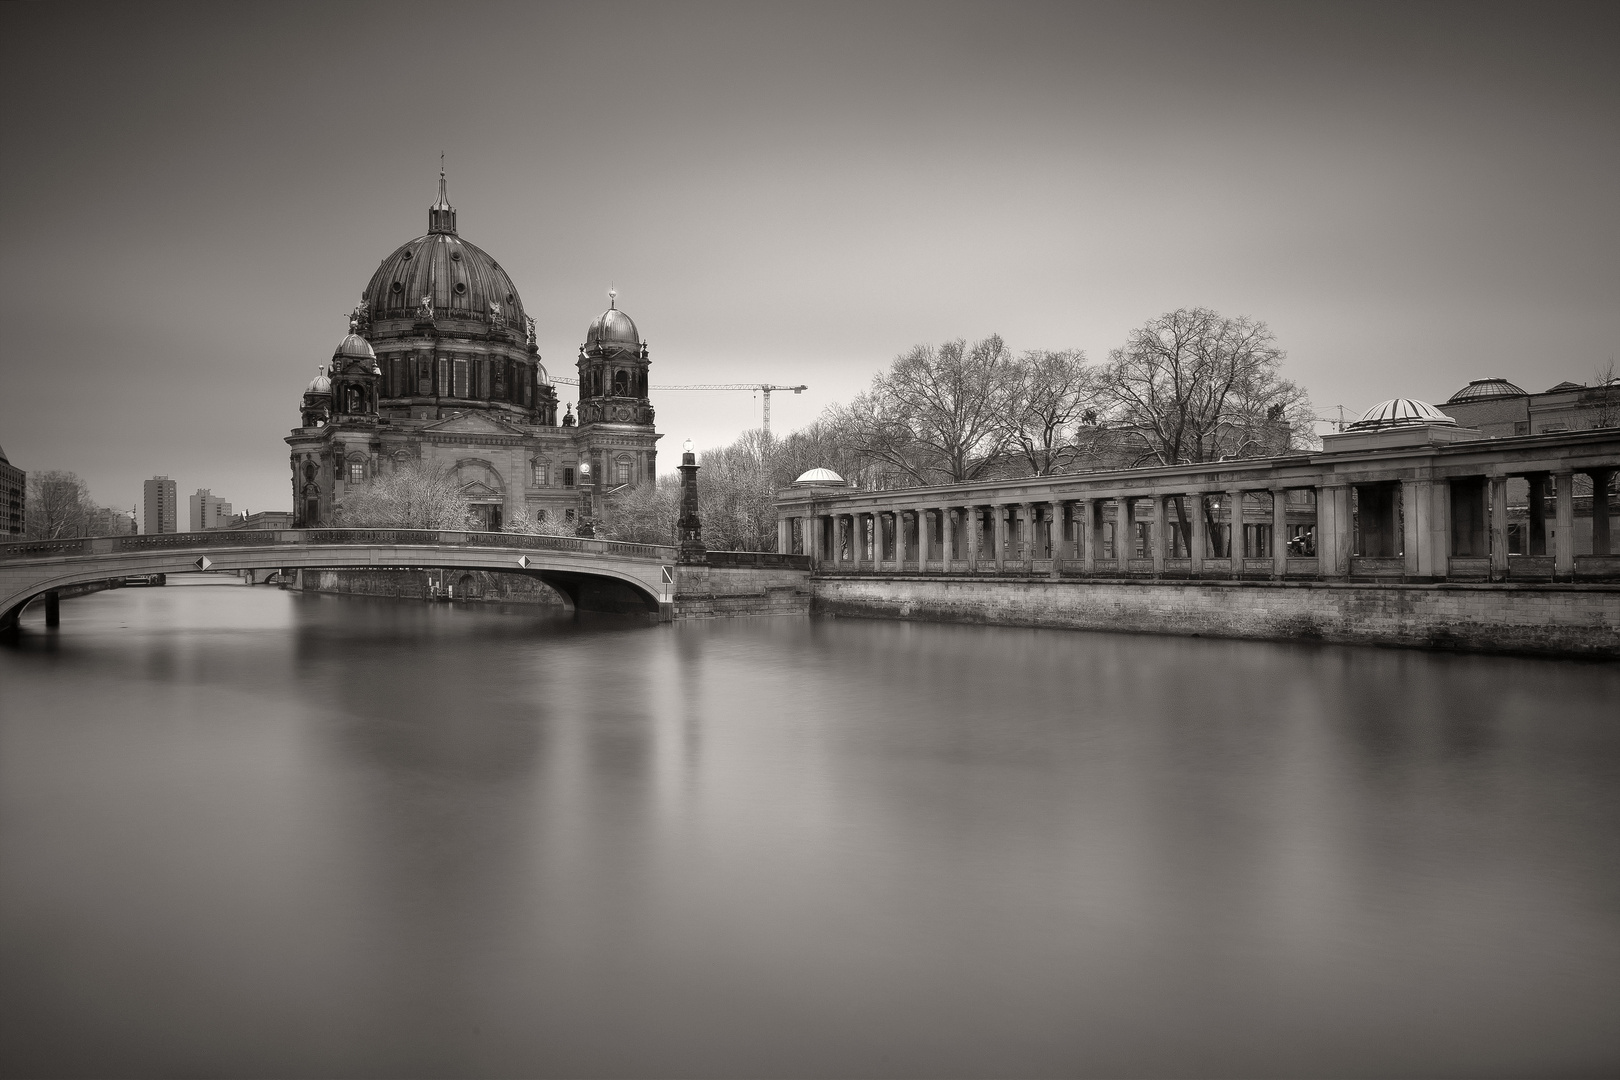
column 441, row 215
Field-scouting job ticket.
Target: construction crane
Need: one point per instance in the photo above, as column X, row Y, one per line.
column 762, row 388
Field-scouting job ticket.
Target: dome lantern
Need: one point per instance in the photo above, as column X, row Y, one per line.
column 441, row 215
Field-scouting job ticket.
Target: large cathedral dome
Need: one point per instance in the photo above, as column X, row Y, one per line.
column 464, row 281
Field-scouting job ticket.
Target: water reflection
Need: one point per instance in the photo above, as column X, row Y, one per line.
column 244, row 831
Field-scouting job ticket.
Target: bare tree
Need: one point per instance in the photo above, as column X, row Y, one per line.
column 58, row 505
column 643, row 513
column 937, row 415
column 521, row 521
column 1193, row 386
column 1604, row 398
column 1052, row 395
column 410, row 497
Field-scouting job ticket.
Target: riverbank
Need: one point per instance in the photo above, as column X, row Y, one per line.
column 1540, row 620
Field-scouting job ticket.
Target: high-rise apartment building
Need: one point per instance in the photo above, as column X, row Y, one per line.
column 13, row 499
column 209, row 511
column 162, row 505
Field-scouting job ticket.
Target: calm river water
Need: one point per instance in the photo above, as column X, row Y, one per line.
column 244, row 832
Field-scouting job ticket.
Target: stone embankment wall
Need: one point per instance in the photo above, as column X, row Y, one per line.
column 413, row 584
column 1543, row 619
column 703, row 592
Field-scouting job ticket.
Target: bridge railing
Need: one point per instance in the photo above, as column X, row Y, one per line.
column 103, row 545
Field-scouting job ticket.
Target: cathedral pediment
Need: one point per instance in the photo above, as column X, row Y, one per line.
column 471, row 424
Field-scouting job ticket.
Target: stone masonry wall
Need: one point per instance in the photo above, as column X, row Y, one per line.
column 716, row 592
column 1544, row 619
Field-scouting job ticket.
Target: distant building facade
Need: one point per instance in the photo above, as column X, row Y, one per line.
column 1498, row 409
column 106, row 521
column 209, row 511
column 441, row 371
column 161, row 509
column 13, row 498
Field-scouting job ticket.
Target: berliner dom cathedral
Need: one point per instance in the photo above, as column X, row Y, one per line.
column 441, row 369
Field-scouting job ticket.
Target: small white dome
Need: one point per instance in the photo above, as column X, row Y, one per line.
column 820, row 476
column 1399, row 412
column 320, row 384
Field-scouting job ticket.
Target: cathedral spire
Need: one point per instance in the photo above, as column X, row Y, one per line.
column 441, row 215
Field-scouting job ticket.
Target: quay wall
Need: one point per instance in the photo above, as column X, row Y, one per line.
column 1550, row 620
column 704, row 592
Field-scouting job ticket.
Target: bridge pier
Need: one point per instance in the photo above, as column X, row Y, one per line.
column 53, row 609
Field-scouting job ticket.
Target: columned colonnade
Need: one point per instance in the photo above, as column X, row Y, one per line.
column 1430, row 512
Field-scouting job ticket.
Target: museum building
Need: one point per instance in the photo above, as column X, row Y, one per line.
column 440, row 368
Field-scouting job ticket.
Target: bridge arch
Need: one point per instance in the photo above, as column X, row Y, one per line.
column 593, row 574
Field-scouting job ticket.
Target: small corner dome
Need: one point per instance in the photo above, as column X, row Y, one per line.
column 320, row 384
column 354, row 347
column 820, row 476
column 612, row 327
column 1399, row 412
column 1485, row 390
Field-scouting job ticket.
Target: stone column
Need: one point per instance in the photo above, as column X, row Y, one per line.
column 1536, row 542
column 899, row 540
column 1234, row 543
column 1029, row 549
column 813, row 539
column 784, row 535
column 1157, row 544
column 1499, row 528
column 947, row 536
column 1414, row 527
column 1333, row 530
column 998, row 533
column 1198, row 541
column 922, row 538
column 1600, row 510
column 1564, row 525
column 1279, row 533
column 1058, row 511
column 1085, row 535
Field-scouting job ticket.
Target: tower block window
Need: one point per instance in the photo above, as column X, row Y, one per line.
column 461, row 378
column 568, row 476
column 542, row 474
column 357, row 472
column 396, row 377
column 483, row 379
column 622, row 471
column 621, row 383
column 444, row 377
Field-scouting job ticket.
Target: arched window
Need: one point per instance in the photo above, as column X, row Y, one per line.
column 623, row 469
column 542, row 474
column 354, row 400
column 621, row 383
column 357, row 472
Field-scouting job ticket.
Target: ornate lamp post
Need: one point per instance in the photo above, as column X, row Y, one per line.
column 586, row 526
column 689, row 527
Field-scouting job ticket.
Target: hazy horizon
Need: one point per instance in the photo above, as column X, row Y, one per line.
column 195, row 196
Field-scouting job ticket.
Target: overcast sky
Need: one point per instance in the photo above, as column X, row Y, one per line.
column 194, row 196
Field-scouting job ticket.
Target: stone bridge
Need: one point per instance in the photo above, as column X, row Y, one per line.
column 596, row 575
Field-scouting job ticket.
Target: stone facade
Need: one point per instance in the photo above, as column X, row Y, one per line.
column 441, row 370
